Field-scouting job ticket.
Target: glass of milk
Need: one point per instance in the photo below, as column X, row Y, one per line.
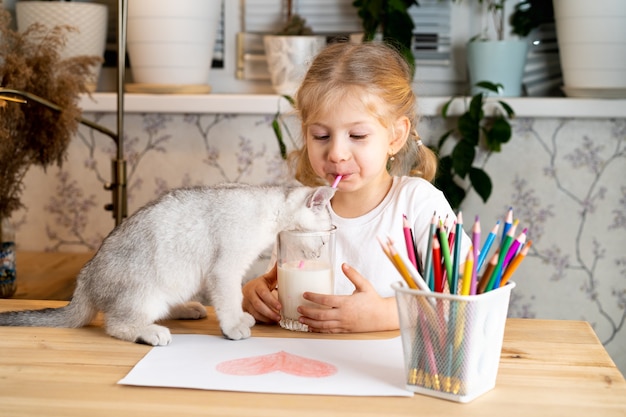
column 305, row 264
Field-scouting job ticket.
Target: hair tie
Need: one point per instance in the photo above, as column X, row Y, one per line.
column 418, row 142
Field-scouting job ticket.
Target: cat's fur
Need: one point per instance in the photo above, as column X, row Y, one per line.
column 189, row 242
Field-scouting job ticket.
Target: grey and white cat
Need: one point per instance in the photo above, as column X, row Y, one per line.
column 189, row 242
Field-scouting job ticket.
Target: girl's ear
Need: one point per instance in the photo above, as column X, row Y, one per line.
column 400, row 133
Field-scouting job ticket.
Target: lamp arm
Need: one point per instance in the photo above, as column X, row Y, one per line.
column 33, row 97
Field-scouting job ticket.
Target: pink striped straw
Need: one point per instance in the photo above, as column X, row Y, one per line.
column 337, row 179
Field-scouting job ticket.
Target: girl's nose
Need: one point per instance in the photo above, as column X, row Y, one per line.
column 337, row 151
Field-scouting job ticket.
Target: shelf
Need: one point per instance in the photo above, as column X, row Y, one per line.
column 268, row 104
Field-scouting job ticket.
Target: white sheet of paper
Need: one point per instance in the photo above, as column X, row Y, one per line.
column 268, row 365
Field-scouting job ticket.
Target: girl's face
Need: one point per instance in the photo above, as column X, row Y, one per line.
column 348, row 140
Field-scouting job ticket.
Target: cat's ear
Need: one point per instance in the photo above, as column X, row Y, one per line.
column 319, row 198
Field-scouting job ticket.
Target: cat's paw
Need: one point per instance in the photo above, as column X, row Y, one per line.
column 241, row 329
column 154, row 335
column 192, row 310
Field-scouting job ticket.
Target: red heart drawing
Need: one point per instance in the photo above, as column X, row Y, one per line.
column 277, row 362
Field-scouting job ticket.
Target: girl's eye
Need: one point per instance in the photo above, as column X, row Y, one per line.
column 320, row 137
column 355, row 136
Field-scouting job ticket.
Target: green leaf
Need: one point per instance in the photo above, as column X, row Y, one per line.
column 481, row 183
column 279, row 137
column 444, row 109
column 507, row 108
column 463, row 158
column 443, row 138
column 488, row 85
column 445, row 182
column 290, row 100
column 476, row 107
column 499, row 133
column 469, row 129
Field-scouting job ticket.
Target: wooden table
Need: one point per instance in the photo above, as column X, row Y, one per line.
column 547, row 368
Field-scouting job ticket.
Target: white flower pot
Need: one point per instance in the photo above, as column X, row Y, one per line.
column 592, row 46
column 171, row 42
column 288, row 59
column 89, row 18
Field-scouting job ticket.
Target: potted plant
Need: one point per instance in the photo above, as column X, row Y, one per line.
column 31, row 133
column 289, row 52
column 491, row 56
column 390, row 19
column 474, row 130
column 592, row 45
column 170, row 44
column 87, row 20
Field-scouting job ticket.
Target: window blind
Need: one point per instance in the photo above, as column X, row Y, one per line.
column 431, row 42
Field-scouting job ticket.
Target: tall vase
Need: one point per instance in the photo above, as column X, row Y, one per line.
column 7, row 260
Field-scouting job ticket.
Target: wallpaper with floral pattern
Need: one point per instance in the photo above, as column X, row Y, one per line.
column 564, row 178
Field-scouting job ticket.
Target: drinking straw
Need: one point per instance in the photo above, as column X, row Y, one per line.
column 482, row 256
column 408, row 240
column 515, row 263
column 337, row 179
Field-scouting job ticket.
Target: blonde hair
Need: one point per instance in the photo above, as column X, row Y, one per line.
column 363, row 70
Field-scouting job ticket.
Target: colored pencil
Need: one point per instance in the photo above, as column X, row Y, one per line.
column 408, row 240
column 428, row 261
column 456, row 259
column 437, row 268
column 514, row 249
column 445, row 253
column 468, row 274
column 406, row 266
column 475, row 249
column 484, row 279
column 484, row 251
column 494, row 281
column 508, row 222
column 515, row 263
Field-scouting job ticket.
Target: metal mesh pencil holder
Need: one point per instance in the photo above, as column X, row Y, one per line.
column 452, row 343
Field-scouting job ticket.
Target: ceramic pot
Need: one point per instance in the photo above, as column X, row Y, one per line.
column 89, row 18
column 498, row 62
column 171, row 42
column 288, row 59
column 592, row 47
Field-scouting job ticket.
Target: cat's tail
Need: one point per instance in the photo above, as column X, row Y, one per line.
column 78, row 313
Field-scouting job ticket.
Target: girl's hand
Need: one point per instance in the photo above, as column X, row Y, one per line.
column 259, row 298
column 363, row 311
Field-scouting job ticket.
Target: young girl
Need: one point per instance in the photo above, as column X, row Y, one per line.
column 358, row 116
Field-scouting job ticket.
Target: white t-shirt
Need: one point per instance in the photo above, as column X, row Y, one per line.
column 356, row 238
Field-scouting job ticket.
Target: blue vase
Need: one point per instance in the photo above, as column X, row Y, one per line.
column 498, row 62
